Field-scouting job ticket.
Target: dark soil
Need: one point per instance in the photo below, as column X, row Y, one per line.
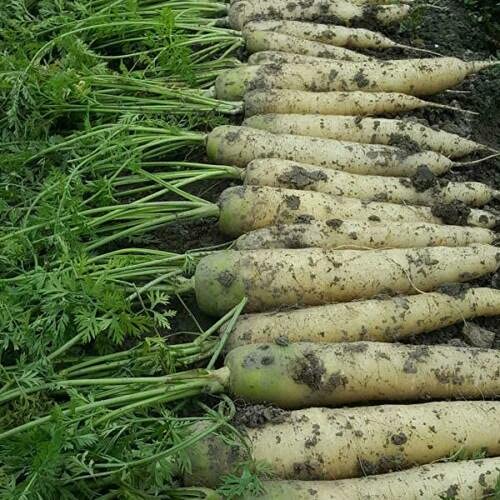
column 455, row 32
column 309, row 371
column 424, row 179
column 455, row 213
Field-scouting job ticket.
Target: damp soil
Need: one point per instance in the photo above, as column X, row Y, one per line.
column 456, row 32
column 453, row 31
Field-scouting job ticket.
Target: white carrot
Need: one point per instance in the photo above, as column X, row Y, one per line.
column 423, row 189
column 245, row 208
column 338, row 36
column 377, row 320
column 358, row 235
column 409, row 76
column 468, row 479
column 258, row 41
column 314, row 276
column 304, row 374
column 327, row 444
column 230, row 145
column 334, row 103
column 367, row 131
column 335, row 11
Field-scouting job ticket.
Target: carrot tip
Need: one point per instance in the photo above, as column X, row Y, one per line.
column 480, row 65
column 474, row 162
column 431, row 6
column 416, row 49
column 453, row 108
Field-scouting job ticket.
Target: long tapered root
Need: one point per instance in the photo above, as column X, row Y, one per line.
column 229, row 145
column 258, row 41
column 278, row 278
column 471, row 479
column 380, row 320
column 416, row 77
column 303, row 374
column 328, row 444
column 338, row 36
column 245, row 208
column 335, row 103
column 244, row 11
column 366, row 130
column 423, row 189
column 362, row 235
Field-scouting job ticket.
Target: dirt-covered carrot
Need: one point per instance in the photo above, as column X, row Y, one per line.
column 422, row 189
column 305, row 374
column 277, row 278
column 379, row 320
column 410, row 76
column 322, row 444
column 367, row 131
column 245, row 208
column 258, row 41
column 380, row 2
column 352, row 234
column 333, row 103
column 230, row 145
column 279, row 57
column 468, row 479
column 275, row 57
column 338, row 36
column 334, row 11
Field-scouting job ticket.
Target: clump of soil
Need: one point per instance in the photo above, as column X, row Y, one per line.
column 454, row 289
column 455, row 213
column 386, row 463
column 424, row 179
column 360, row 79
column 309, row 370
column 258, row 415
column 299, row 178
column 411, row 363
column 402, row 142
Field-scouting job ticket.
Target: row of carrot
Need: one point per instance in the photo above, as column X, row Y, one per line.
column 335, row 213
column 325, row 223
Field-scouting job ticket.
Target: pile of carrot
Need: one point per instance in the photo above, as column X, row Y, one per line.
column 348, row 244
column 344, row 247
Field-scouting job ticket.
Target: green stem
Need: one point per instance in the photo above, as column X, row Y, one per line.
column 80, row 409
column 190, row 390
column 173, row 388
column 227, row 330
column 113, row 467
column 206, row 210
column 65, row 347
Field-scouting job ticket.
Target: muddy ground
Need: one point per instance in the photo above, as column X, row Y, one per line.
column 453, row 31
